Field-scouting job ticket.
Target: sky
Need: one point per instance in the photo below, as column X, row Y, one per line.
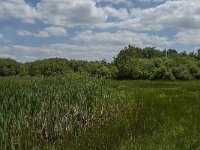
column 95, row 29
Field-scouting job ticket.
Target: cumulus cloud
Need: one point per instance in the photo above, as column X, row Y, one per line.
column 96, row 46
column 129, row 25
column 56, row 12
column 28, row 53
column 180, row 14
column 122, row 38
column 17, row 9
column 69, row 13
column 170, row 14
column 47, row 32
column 188, row 37
column 121, row 13
column 7, row 56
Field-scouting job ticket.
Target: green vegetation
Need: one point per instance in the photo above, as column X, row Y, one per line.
column 71, row 104
column 37, row 112
column 9, row 67
column 58, row 113
column 150, row 63
column 131, row 63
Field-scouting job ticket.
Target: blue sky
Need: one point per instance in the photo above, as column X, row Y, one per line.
column 95, row 29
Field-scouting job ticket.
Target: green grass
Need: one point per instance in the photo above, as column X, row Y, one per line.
column 55, row 113
column 168, row 117
column 38, row 112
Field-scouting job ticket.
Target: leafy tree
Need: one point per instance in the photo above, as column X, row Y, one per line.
column 131, row 63
column 9, row 67
column 162, row 73
column 152, row 52
column 48, row 67
column 127, row 53
column 171, row 52
column 182, row 73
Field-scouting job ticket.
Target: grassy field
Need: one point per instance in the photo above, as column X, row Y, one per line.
column 56, row 113
column 166, row 114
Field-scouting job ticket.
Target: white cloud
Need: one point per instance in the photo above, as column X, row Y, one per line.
column 56, row 12
column 155, row 1
column 121, row 13
column 95, row 46
column 129, row 27
column 7, row 56
column 47, row 32
column 28, row 53
column 188, row 37
column 70, row 13
column 17, row 9
column 178, row 14
column 25, row 33
column 113, row 1
column 122, row 38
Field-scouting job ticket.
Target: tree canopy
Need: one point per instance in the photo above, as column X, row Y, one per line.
column 131, row 63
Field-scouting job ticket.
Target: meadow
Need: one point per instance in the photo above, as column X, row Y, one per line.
column 89, row 113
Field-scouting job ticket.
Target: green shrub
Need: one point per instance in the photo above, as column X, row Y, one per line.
column 9, row 67
column 182, row 73
column 162, row 73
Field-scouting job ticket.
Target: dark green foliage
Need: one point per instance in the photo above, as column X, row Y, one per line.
column 171, row 52
column 182, row 73
column 195, row 71
column 162, row 73
column 136, row 68
column 94, row 68
column 131, row 63
column 9, row 67
column 149, row 63
column 48, row 67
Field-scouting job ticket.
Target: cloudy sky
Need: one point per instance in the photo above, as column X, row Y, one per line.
column 95, row 29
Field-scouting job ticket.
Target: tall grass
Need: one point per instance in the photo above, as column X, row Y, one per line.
column 34, row 113
column 82, row 114
column 157, row 115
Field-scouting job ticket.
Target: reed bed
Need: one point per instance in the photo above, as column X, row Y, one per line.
column 37, row 112
column 89, row 113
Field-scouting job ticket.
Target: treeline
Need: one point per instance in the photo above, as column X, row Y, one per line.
column 150, row 63
column 131, row 63
column 57, row 67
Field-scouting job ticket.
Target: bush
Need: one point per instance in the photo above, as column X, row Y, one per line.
column 194, row 71
column 162, row 73
column 182, row 73
column 9, row 67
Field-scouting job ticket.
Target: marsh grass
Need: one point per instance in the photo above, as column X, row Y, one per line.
column 37, row 112
column 55, row 113
column 157, row 115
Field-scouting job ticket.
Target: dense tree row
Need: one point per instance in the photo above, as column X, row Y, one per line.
column 57, row 67
column 131, row 63
column 150, row 63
